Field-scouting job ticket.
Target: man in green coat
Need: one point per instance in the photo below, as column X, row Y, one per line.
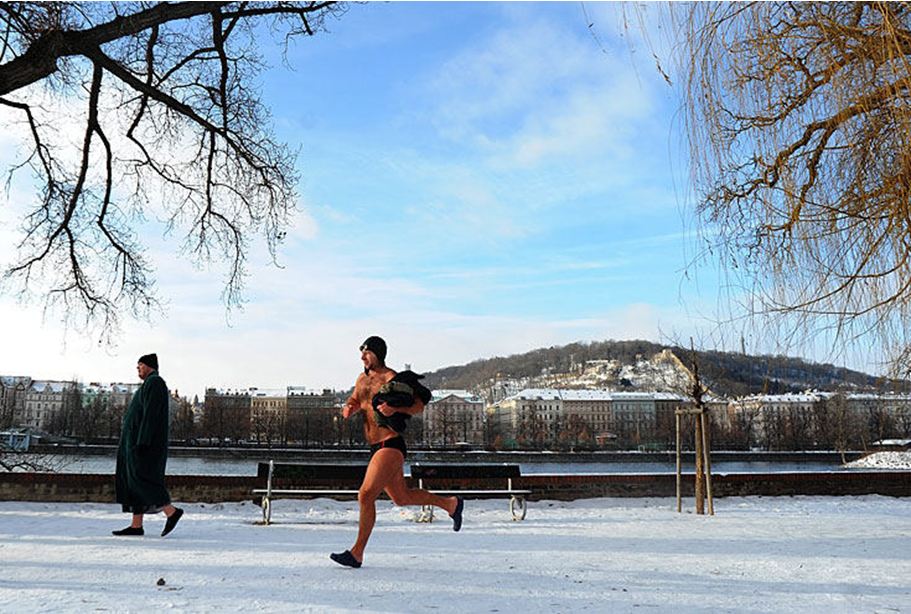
column 143, row 452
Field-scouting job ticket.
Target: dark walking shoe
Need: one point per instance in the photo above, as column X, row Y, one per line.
column 171, row 522
column 129, row 531
column 457, row 514
column 345, row 558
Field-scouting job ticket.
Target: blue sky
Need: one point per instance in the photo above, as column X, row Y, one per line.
column 477, row 180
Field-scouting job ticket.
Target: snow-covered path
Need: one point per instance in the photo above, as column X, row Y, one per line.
column 815, row 554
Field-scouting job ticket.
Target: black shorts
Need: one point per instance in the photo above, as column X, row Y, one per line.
column 395, row 442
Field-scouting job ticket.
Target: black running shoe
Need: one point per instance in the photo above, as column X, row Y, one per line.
column 345, row 558
column 129, row 531
column 457, row 514
column 171, row 522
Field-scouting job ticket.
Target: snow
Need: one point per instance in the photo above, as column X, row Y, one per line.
column 883, row 460
column 802, row 554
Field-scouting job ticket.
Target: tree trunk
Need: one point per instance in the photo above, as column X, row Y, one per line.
column 700, row 470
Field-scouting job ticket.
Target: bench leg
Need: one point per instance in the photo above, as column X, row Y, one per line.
column 426, row 514
column 267, row 510
column 518, row 507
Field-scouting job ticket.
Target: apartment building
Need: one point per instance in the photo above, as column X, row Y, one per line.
column 572, row 416
column 454, row 416
column 268, row 414
column 527, row 415
column 12, row 397
column 312, row 415
column 827, row 419
column 589, row 409
column 113, row 395
column 45, row 399
column 226, row 413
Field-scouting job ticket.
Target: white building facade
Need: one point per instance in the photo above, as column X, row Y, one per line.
column 571, row 417
column 44, row 400
column 452, row 417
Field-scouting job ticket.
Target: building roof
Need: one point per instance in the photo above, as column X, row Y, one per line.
column 300, row 391
column 537, row 394
column 807, row 397
column 229, row 392
column 271, row 393
column 560, row 394
column 51, row 386
column 815, row 396
column 468, row 397
column 9, row 381
column 113, row 388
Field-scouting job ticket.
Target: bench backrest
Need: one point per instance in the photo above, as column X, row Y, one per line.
column 454, row 471
column 305, row 472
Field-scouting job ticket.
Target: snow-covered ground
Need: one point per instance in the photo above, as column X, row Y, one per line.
column 883, row 460
column 802, row 554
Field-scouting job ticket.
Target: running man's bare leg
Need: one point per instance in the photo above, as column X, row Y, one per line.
column 382, row 470
column 400, row 494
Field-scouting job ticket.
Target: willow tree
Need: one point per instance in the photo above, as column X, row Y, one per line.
column 798, row 118
column 128, row 111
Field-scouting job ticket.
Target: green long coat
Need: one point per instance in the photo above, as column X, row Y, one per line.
column 143, row 451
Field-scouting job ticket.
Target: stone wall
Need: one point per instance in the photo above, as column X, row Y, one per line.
column 568, row 487
column 100, row 488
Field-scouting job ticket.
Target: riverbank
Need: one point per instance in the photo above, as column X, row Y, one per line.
column 196, row 461
column 524, row 456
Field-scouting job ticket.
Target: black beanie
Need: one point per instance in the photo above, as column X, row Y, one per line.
column 150, row 360
column 377, row 346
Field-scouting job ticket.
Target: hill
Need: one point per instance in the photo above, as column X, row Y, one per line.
column 643, row 365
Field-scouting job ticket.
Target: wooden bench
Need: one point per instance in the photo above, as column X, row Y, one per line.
column 427, row 475
column 289, row 480
column 305, row 480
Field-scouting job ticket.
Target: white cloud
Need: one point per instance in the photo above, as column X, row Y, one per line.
column 536, row 91
column 304, row 226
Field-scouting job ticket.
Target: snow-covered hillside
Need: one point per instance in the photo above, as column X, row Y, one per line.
column 661, row 372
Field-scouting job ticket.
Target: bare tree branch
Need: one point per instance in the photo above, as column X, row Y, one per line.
column 799, row 124
column 169, row 107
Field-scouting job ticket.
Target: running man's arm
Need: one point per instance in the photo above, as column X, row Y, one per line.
column 353, row 404
column 417, row 408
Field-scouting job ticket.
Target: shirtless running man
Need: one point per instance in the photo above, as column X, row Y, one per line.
column 385, row 470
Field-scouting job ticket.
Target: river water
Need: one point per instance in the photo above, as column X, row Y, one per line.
column 187, row 465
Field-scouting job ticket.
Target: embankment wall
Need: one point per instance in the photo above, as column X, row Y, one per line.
column 77, row 487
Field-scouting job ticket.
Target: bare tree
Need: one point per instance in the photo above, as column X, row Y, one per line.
column 172, row 126
column 184, row 426
column 798, row 117
column 12, row 461
column 531, row 431
column 882, row 422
